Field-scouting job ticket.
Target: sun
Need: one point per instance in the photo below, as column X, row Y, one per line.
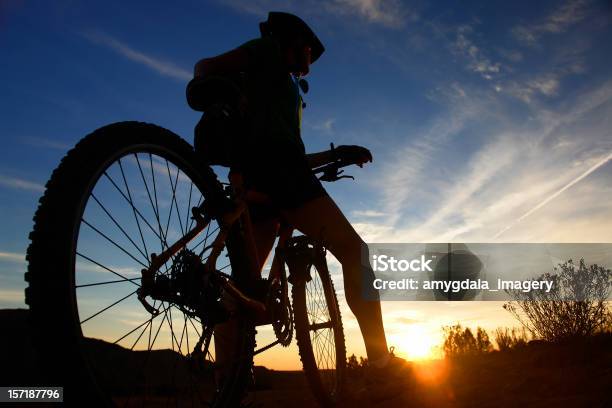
column 415, row 342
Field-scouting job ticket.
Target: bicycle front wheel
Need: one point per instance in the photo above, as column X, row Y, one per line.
column 319, row 333
column 123, row 193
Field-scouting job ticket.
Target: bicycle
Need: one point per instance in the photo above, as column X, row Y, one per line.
column 114, row 340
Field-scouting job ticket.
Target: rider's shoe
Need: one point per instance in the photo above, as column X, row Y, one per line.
column 392, row 380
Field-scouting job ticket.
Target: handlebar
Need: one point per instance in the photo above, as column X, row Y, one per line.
column 331, row 171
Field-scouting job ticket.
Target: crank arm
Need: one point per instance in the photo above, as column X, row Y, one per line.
column 243, row 299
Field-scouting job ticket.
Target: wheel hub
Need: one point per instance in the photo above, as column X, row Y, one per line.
column 187, row 285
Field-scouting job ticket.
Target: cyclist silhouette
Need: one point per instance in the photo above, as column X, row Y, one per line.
column 273, row 160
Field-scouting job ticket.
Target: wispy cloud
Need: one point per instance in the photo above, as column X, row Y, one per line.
column 162, row 67
column 551, row 197
column 46, row 143
column 568, row 14
column 326, row 126
column 546, row 85
column 478, row 62
column 389, row 13
column 517, row 170
column 11, row 296
column 407, row 172
column 511, row 55
column 20, row 184
column 12, row 257
column 368, row 213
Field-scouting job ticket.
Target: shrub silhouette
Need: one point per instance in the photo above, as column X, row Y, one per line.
column 575, row 306
column 460, row 342
column 508, row 339
column 352, row 363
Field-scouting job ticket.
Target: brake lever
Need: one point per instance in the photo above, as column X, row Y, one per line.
column 333, row 173
column 338, row 175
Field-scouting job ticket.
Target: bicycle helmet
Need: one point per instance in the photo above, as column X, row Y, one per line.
column 288, row 26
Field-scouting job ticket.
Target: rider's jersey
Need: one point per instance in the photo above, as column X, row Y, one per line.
column 275, row 103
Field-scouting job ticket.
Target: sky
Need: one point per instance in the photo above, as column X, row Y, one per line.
column 488, row 121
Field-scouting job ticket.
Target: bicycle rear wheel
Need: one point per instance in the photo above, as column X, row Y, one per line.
column 318, row 329
column 123, row 193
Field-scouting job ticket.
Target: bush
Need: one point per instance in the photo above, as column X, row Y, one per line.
column 460, row 342
column 576, row 305
column 508, row 339
column 353, row 364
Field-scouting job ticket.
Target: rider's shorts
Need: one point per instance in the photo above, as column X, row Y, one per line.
column 284, row 176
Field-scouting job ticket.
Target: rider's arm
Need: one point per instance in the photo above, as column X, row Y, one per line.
column 319, row 159
column 234, row 61
column 345, row 154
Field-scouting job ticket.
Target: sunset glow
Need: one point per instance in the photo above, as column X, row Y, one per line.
column 416, row 342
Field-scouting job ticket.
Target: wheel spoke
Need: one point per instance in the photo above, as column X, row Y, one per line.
column 134, row 212
column 107, row 282
column 157, row 233
column 203, row 240
column 178, row 211
column 127, row 188
column 107, row 268
column 120, row 227
column 157, row 202
column 108, row 307
column 113, row 242
column 146, row 322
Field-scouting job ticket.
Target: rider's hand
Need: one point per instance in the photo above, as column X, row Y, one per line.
column 352, row 154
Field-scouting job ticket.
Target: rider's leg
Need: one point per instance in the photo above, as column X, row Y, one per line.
column 264, row 234
column 321, row 217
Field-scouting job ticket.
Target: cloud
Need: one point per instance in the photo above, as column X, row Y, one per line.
column 406, row 320
column 389, row 13
column 544, row 85
column 46, row 143
column 513, row 170
column 568, row 14
column 374, row 231
column 511, row 55
column 551, row 197
column 11, row 296
column 20, row 184
column 12, row 257
column 407, row 173
column 477, row 61
column 255, row 7
column 164, row 68
column 368, row 213
column 327, row 126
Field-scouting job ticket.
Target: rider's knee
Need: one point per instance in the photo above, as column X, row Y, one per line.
column 349, row 251
column 358, row 290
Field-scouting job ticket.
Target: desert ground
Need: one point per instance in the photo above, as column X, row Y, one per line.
column 575, row 374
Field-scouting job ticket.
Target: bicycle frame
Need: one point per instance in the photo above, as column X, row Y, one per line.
column 239, row 213
column 253, row 266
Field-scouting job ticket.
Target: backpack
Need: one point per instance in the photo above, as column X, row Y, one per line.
column 220, row 131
